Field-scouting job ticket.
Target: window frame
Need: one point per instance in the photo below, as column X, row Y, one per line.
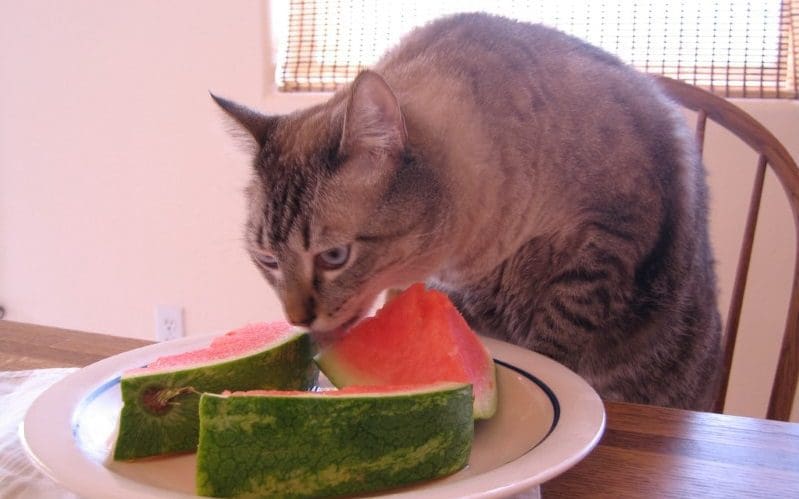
column 277, row 10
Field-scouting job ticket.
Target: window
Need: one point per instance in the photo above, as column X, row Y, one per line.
column 738, row 48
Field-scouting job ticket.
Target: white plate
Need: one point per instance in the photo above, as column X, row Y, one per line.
column 548, row 419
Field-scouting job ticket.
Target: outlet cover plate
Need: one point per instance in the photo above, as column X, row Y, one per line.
column 168, row 322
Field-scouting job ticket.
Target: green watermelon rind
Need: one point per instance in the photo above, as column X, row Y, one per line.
column 322, row 445
column 340, row 374
column 285, row 364
column 486, row 406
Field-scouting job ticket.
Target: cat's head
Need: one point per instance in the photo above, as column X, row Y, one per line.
column 340, row 208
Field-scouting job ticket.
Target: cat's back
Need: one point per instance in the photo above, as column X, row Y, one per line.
column 522, row 105
column 474, row 75
column 490, row 55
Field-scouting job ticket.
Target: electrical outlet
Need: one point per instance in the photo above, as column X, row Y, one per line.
column 168, row 322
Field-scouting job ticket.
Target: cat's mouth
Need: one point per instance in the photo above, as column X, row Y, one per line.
column 326, row 337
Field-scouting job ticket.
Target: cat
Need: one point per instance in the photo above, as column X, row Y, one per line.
column 551, row 190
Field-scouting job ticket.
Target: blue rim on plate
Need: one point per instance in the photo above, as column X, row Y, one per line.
column 552, row 397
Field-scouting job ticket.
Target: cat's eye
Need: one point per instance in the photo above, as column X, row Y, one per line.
column 333, row 259
column 268, row 261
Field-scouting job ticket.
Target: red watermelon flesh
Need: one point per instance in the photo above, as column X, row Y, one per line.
column 418, row 337
column 241, row 341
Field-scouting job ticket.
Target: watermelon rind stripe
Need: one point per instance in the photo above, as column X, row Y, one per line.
column 486, row 406
column 144, row 432
column 316, row 445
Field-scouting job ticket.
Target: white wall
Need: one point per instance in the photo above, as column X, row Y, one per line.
column 120, row 190
column 119, row 187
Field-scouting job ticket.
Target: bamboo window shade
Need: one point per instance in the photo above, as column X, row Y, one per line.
column 736, row 48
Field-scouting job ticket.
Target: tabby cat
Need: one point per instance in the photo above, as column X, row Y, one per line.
column 549, row 189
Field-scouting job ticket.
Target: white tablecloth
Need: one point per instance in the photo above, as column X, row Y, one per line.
column 19, row 479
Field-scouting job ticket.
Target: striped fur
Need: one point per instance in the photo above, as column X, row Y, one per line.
column 552, row 191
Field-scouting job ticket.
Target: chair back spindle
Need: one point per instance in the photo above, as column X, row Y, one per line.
column 773, row 155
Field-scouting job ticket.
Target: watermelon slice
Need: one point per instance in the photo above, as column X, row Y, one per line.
column 418, row 337
column 313, row 444
column 160, row 402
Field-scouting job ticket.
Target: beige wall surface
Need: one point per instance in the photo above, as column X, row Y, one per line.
column 121, row 190
column 120, row 187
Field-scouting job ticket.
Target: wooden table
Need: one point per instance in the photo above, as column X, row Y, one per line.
column 646, row 451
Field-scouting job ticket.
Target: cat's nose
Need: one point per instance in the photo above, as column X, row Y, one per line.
column 301, row 312
column 301, row 320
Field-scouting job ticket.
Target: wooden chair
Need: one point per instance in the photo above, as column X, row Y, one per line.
column 772, row 154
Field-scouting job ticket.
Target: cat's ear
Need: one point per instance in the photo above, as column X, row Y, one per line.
column 257, row 126
column 373, row 122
